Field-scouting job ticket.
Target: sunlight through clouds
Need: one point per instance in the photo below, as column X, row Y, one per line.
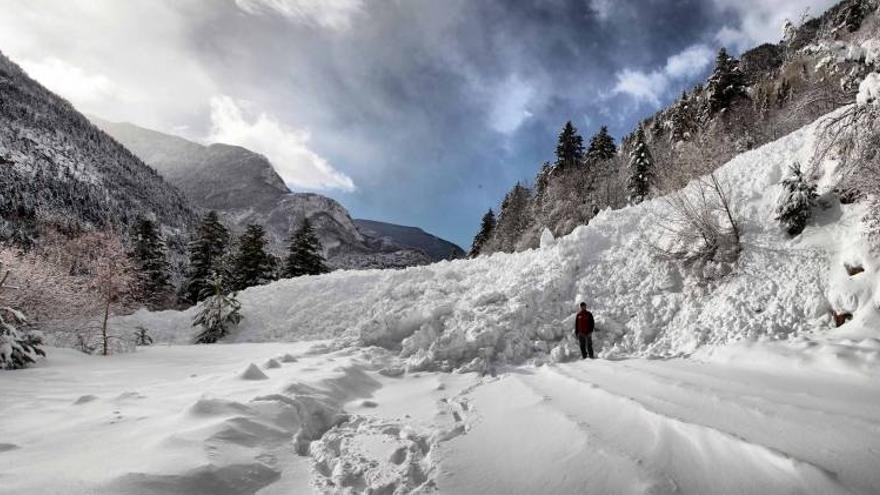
column 287, row 149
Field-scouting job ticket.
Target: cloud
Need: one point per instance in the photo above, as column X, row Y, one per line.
column 331, row 14
column 649, row 87
column 287, row 149
column 72, row 82
column 752, row 22
column 689, row 63
column 510, row 106
column 602, row 8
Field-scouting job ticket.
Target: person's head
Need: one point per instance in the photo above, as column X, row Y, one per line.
column 583, row 305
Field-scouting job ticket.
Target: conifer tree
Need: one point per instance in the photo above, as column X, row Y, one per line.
column 252, row 265
column 18, row 348
column 512, row 220
column 796, row 201
column 217, row 312
column 570, row 148
column 641, row 169
column 602, row 146
column 304, row 256
column 487, row 227
column 726, row 83
column 153, row 272
column 206, row 254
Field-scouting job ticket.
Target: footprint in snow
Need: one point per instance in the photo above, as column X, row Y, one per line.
column 85, row 399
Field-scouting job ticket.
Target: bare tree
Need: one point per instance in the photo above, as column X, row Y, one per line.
column 699, row 224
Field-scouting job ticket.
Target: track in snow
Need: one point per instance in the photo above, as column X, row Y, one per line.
column 639, row 426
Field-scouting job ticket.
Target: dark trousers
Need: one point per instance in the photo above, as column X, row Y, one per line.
column 586, row 342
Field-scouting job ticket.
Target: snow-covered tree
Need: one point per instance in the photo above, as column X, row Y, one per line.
column 641, row 169
column 796, row 202
column 304, row 255
column 153, row 271
column 602, row 146
column 487, row 227
column 216, row 313
column 570, row 147
column 252, row 265
column 513, row 219
column 18, row 347
column 206, row 253
column 726, row 83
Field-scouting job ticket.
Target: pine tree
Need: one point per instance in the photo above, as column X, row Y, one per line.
column 796, row 201
column 641, row 169
column 252, row 265
column 602, row 146
column 153, row 272
column 726, row 83
column 570, row 148
column 217, row 312
column 512, row 219
column 18, row 348
column 206, row 254
column 487, row 227
column 304, row 256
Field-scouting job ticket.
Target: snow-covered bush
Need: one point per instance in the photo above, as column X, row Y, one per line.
column 795, row 205
column 18, row 347
column 216, row 313
column 699, row 224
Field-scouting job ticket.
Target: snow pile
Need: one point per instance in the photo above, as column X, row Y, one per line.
column 869, row 90
column 471, row 314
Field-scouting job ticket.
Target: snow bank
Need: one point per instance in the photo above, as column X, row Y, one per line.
column 509, row 308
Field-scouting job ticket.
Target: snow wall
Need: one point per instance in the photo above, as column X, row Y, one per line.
column 511, row 308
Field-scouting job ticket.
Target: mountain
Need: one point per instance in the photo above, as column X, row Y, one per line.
column 244, row 188
column 409, row 237
column 58, row 170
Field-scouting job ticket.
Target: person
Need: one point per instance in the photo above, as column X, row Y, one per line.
column 583, row 329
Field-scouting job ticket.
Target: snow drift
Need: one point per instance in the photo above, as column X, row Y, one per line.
column 509, row 308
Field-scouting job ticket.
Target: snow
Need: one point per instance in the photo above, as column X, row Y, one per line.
column 473, row 315
column 179, row 419
column 869, row 90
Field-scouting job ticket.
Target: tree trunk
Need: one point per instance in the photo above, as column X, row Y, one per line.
column 104, row 325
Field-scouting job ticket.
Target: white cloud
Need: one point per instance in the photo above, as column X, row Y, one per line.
column 760, row 21
column 642, row 86
column 650, row 86
column 287, row 149
column 510, row 106
column 331, row 14
column 602, row 8
column 72, row 82
column 689, row 63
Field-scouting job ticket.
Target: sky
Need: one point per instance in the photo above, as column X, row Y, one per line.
column 417, row 112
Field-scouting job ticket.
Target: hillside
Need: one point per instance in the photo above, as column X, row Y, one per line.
column 747, row 101
column 410, row 237
column 59, row 170
column 244, row 187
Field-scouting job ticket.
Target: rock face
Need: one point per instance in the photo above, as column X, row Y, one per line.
column 59, row 170
column 244, row 188
column 409, row 237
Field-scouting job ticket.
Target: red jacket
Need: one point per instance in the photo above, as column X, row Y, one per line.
column 583, row 323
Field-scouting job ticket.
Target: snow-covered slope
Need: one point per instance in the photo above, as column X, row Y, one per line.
column 510, row 308
column 57, row 169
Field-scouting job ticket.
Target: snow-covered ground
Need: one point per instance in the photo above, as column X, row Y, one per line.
column 738, row 385
column 201, row 420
